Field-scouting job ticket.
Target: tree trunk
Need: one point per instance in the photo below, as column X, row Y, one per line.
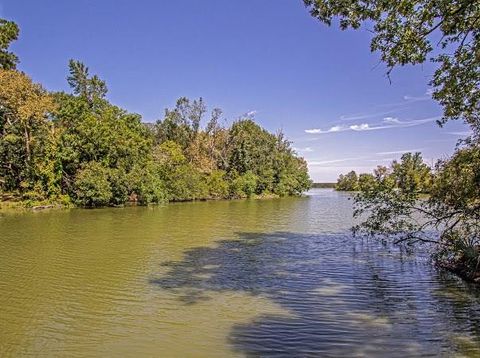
column 27, row 143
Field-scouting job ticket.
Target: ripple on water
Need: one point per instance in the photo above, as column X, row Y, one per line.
column 255, row 278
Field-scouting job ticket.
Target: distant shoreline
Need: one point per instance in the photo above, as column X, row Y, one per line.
column 323, row 186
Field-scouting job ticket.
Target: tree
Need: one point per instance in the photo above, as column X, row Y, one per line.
column 182, row 123
column 253, row 149
column 8, row 33
column 217, row 185
column 182, row 180
column 348, row 182
column 26, row 138
column 91, row 88
column 407, row 32
column 92, row 186
column 243, row 186
column 411, row 173
column 365, row 181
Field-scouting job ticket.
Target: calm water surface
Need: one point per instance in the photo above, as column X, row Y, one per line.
column 218, row 279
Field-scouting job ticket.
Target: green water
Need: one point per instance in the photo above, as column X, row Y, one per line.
column 277, row 277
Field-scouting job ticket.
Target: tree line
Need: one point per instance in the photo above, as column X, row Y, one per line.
column 79, row 149
column 410, row 172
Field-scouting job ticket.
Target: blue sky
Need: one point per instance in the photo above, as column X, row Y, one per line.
column 320, row 85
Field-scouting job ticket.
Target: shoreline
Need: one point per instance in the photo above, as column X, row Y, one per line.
column 23, row 206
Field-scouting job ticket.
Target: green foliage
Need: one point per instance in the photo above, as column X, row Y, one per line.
column 366, row 182
column 216, row 184
column 409, row 31
column 145, row 185
column 92, row 186
column 412, row 174
column 243, row 186
column 457, row 183
column 27, row 142
column 251, row 148
column 8, row 33
column 182, row 180
column 268, row 157
column 455, row 203
column 92, row 89
column 347, row 182
column 390, row 196
column 182, row 123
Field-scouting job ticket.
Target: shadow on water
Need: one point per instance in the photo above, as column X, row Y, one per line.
column 344, row 297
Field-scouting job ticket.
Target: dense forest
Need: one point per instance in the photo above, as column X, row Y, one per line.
column 79, row 149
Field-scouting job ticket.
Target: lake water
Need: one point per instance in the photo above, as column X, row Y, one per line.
column 280, row 277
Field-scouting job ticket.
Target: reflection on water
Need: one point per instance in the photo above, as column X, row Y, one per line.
column 344, row 298
column 241, row 278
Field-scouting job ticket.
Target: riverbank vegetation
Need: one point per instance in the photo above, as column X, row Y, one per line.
column 79, row 149
column 408, row 202
column 410, row 170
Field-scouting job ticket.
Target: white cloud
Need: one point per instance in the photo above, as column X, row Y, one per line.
column 360, row 127
column 336, row 129
column 313, row 131
column 388, row 122
column 252, row 113
column 391, row 120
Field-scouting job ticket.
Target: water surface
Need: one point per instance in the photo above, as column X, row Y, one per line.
column 276, row 277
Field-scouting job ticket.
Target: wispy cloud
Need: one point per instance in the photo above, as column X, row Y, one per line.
column 403, row 151
column 380, row 160
column 394, row 107
column 427, row 96
column 416, row 98
column 303, row 150
column 332, row 129
column 387, row 123
column 252, row 113
column 358, row 116
column 392, row 120
column 332, row 161
column 461, row 133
